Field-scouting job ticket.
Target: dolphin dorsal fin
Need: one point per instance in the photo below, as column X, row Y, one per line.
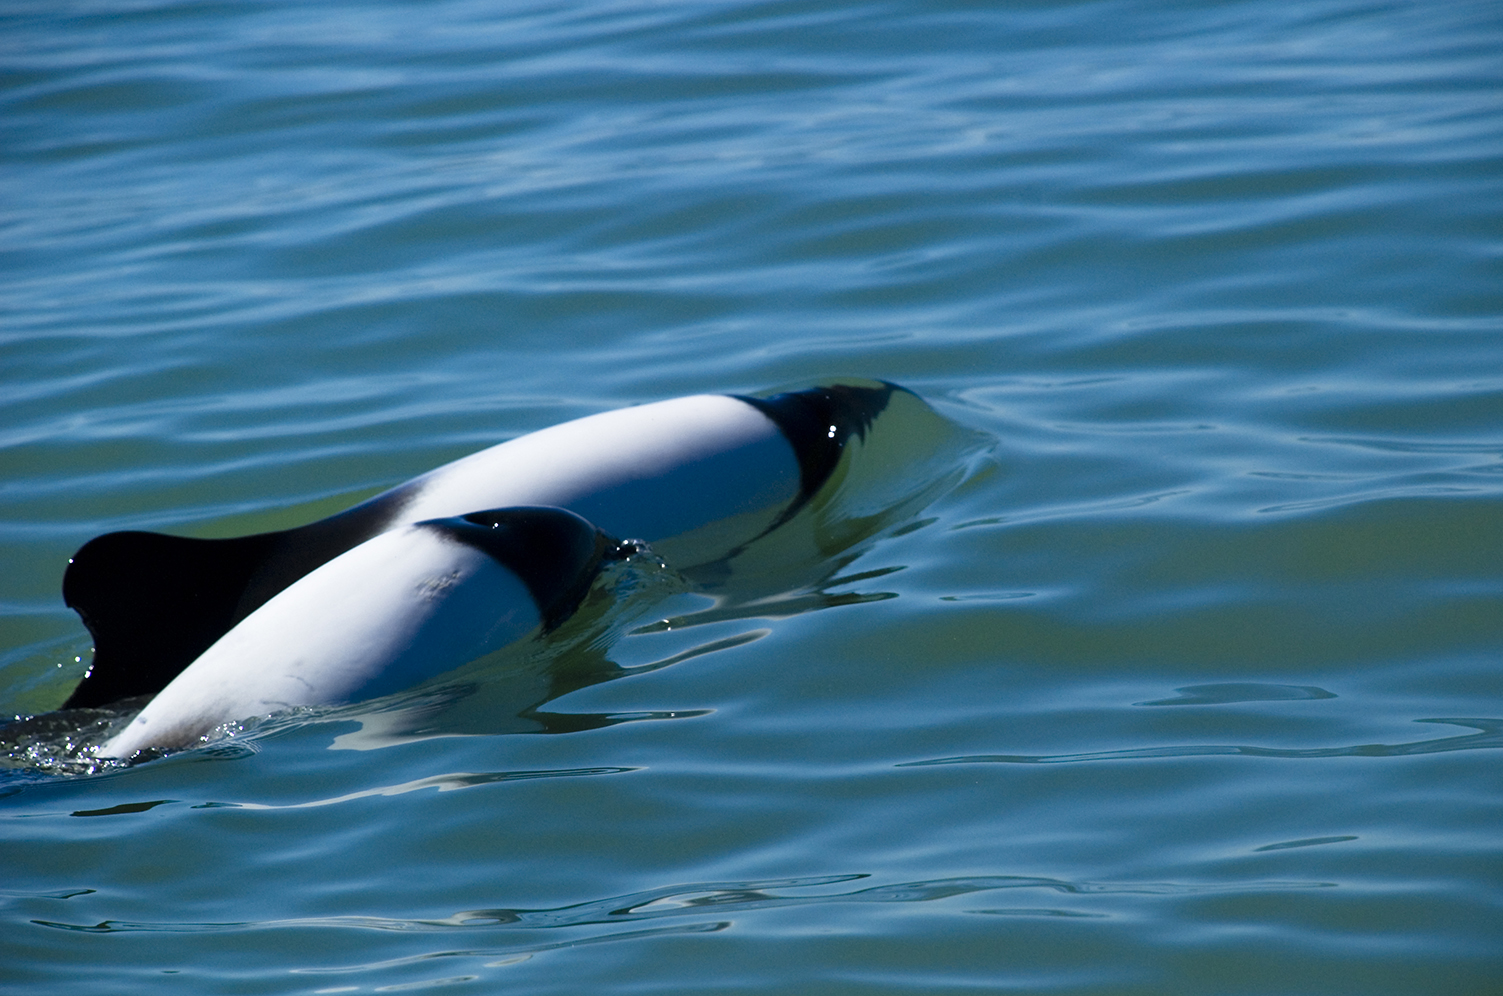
column 153, row 603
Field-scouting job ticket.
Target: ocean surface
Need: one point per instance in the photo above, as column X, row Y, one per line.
column 1162, row 657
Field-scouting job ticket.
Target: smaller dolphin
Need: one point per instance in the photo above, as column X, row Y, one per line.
column 407, row 604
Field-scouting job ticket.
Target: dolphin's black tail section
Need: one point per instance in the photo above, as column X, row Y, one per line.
column 154, row 602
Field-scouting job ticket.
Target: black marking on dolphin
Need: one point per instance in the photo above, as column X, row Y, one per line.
column 556, row 553
column 818, row 422
column 154, row 602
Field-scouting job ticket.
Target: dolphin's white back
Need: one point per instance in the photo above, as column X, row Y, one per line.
column 722, row 456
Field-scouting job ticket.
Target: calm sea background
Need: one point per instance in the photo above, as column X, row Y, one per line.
column 1190, row 683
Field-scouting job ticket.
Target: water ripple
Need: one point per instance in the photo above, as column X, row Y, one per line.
column 711, row 897
column 1491, row 736
column 1220, row 281
column 444, row 783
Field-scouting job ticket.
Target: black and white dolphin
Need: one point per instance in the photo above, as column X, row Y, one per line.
column 406, row 605
column 698, row 477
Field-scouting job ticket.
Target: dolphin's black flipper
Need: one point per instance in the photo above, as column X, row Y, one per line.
column 154, row 602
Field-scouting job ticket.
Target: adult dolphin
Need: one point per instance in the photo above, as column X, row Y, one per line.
column 706, row 473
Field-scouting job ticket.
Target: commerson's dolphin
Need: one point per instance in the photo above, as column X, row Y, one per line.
column 405, row 605
column 699, row 476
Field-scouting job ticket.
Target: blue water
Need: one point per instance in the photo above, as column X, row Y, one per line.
column 1184, row 675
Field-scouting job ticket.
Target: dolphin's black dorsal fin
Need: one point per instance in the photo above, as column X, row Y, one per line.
column 153, row 603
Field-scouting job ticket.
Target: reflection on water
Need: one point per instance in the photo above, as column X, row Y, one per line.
column 720, row 898
column 1490, row 736
column 1225, row 693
